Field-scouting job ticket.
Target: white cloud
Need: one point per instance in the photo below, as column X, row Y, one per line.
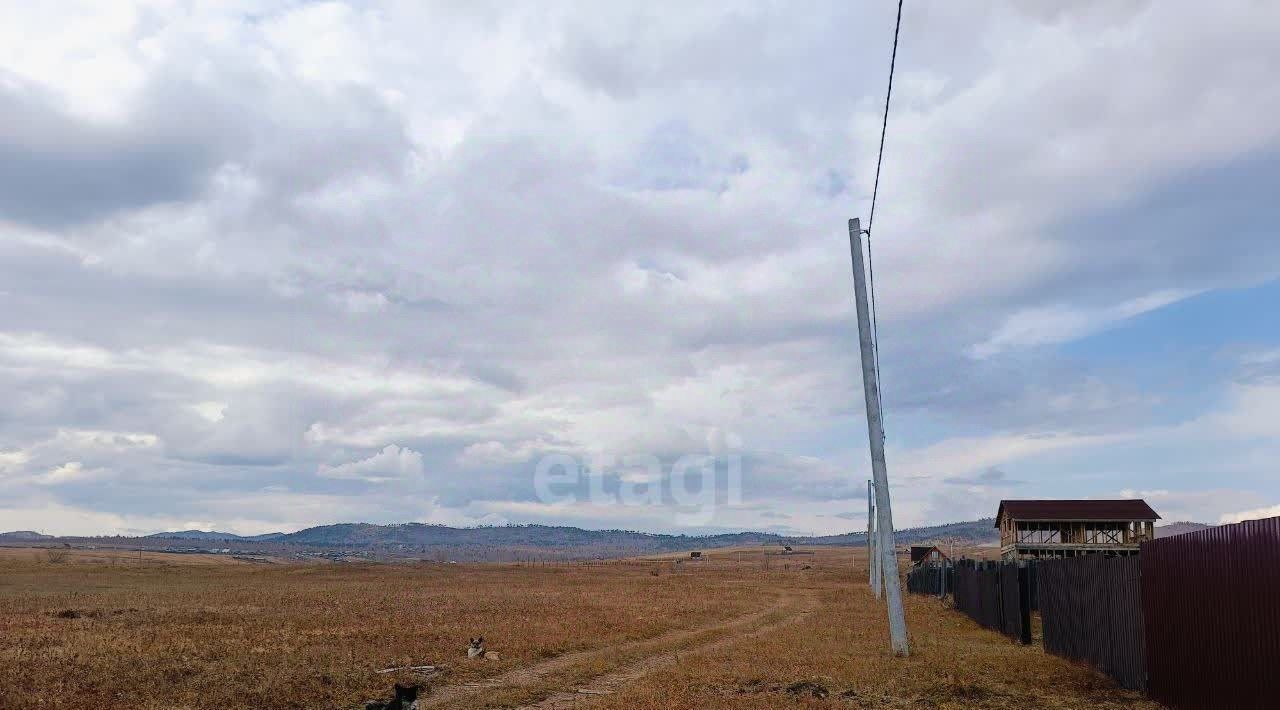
column 1252, row 412
column 360, row 302
column 228, row 367
column 211, row 411
column 967, row 455
column 13, row 460
column 438, row 514
column 90, row 439
column 1255, row 514
column 1203, row 505
column 1059, row 324
column 391, row 464
column 66, row 473
column 489, row 453
column 53, row 518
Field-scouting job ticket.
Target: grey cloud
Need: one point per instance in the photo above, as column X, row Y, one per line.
column 1261, row 370
column 993, row 477
column 260, row 428
column 58, row 170
column 1160, row 235
column 942, row 508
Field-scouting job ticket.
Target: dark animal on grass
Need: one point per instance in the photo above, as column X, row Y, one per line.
column 406, row 699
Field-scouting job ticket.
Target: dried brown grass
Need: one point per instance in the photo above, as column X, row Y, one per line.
column 229, row 636
column 840, row 657
column 233, row 636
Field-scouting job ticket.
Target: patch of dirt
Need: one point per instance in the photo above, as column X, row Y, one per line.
column 740, row 629
column 76, row 614
column 960, row 691
column 808, row 689
column 662, row 651
column 870, row 701
column 759, row 686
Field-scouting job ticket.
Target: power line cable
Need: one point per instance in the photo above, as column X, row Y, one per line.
column 871, row 219
column 884, row 124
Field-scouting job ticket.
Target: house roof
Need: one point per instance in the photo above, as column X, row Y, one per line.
column 1125, row 509
column 919, row 552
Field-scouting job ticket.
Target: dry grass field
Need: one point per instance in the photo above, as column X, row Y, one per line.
column 739, row 629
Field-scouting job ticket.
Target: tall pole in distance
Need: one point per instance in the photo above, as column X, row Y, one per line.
column 878, row 585
column 887, row 549
column 873, row 545
column 871, row 529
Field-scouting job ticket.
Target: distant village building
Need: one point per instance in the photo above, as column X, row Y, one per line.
column 1034, row 529
column 927, row 555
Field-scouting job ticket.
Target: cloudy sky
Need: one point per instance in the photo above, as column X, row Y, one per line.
column 265, row 265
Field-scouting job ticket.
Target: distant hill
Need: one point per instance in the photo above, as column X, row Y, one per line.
column 970, row 532
column 265, row 536
column 542, row 536
column 543, row 541
column 421, row 535
column 24, row 536
column 214, row 535
column 1179, row 528
column 537, row 540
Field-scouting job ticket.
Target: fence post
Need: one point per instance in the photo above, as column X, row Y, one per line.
column 1024, row 602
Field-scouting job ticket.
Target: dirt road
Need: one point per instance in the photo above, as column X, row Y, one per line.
column 575, row 679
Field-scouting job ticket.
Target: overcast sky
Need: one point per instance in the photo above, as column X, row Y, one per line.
column 265, row 265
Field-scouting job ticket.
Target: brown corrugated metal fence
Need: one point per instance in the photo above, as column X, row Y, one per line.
column 928, row 579
column 1091, row 610
column 995, row 594
column 1015, row 602
column 1194, row 619
column 1212, row 605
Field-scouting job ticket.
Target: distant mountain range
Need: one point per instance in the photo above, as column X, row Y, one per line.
column 419, row 535
column 215, row 536
column 1179, row 528
column 546, row 539
column 969, row 532
column 24, row 536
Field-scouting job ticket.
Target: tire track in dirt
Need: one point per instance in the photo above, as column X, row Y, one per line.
column 614, row 680
column 658, row 652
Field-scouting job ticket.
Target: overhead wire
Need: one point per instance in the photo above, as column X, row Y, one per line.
column 871, row 218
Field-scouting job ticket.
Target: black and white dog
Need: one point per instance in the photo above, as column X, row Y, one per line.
column 476, row 649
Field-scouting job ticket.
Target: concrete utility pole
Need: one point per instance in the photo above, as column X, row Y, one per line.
column 886, row 548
